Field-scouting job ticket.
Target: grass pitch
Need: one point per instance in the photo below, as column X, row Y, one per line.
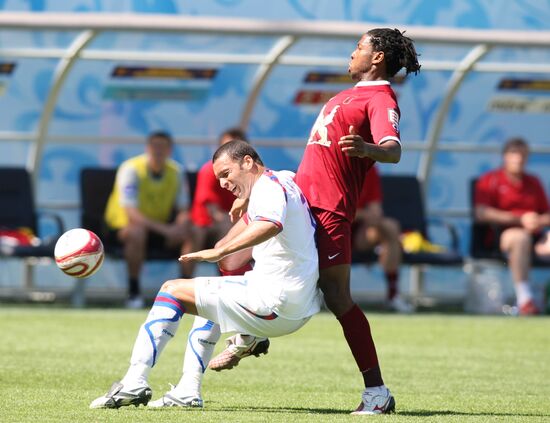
column 54, row 362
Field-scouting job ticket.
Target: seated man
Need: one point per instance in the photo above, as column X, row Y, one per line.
column 276, row 298
column 211, row 203
column 516, row 202
column 372, row 229
column 148, row 190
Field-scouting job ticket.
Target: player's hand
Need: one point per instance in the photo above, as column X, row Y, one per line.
column 211, row 255
column 353, row 145
column 238, row 208
column 530, row 221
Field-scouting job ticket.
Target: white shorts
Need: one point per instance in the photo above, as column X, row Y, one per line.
column 228, row 301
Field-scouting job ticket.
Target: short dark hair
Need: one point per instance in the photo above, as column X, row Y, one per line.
column 237, row 150
column 399, row 51
column 235, row 133
column 160, row 134
column 515, row 143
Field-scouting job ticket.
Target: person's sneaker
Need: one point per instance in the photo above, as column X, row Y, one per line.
column 528, row 308
column 399, row 305
column 376, row 400
column 135, row 303
column 119, row 396
column 170, row 399
column 234, row 352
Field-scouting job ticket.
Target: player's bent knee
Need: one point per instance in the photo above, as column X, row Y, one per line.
column 182, row 289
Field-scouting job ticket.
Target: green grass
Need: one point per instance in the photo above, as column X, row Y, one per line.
column 53, row 362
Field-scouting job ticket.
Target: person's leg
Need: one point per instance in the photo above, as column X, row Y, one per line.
column 334, row 282
column 134, row 241
column 517, row 244
column 390, row 259
column 334, row 248
column 201, row 341
column 159, row 327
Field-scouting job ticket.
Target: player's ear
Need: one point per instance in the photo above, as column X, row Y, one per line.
column 378, row 57
column 248, row 162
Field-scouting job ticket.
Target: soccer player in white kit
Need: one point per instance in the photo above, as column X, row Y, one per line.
column 276, row 298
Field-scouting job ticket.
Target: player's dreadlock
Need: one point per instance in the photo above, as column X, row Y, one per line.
column 399, row 51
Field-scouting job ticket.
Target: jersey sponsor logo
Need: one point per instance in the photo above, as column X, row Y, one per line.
column 333, row 256
column 393, row 118
column 319, row 132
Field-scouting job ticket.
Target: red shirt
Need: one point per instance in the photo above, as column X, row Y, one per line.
column 495, row 189
column 209, row 191
column 372, row 189
column 330, row 179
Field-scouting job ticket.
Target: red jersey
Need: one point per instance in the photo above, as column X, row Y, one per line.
column 372, row 189
column 495, row 189
column 330, row 179
column 209, row 191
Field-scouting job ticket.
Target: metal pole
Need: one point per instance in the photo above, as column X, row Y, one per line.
column 434, row 131
column 262, row 73
column 60, row 75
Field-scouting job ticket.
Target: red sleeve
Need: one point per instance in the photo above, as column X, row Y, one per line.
column 372, row 188
column 484, row 194
column 203, row 194
column 384, row 116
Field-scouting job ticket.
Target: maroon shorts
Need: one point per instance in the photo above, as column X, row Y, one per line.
column 333, row 236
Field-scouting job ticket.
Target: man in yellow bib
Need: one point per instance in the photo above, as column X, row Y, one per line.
column 148, row 207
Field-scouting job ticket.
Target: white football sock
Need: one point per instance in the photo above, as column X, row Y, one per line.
column 161, row 325
column 200, row 345
column 523, row 292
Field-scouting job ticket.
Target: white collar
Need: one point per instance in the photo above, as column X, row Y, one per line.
column 371, row 83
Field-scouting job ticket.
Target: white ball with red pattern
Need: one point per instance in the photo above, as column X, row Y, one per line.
column 79, row 253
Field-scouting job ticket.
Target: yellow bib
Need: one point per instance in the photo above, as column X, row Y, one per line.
column 156, row 196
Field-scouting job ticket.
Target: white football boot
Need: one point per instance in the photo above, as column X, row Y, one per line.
column 174, row 399
column 376, row 400
column 399, row 305
column 120, row 396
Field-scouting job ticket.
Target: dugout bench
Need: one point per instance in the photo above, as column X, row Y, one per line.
column 18, row 210
column 402, row 200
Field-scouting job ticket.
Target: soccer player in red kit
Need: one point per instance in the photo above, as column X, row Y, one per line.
column 354, row 129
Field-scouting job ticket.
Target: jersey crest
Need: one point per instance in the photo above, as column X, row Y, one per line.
column 319, row 132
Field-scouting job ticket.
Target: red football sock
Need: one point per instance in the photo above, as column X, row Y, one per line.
column 236, row 272
column 391, row 280
column 357, row 332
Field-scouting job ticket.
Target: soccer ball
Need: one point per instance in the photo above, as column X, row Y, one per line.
column 79, row 253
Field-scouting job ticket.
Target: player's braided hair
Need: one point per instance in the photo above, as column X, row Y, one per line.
column 237, row 150
column 399, row 51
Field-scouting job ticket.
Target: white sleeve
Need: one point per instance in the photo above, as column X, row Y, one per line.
column 268, row 203
column 128, row 186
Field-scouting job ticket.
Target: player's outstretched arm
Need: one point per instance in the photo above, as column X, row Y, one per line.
column 255, row 233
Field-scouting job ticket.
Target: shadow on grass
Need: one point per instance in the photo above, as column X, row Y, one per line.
column 334, row 411
column 282, row 409
column 252, row 409
column 429, row 413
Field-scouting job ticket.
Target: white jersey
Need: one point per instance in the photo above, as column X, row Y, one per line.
column 286, row 267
